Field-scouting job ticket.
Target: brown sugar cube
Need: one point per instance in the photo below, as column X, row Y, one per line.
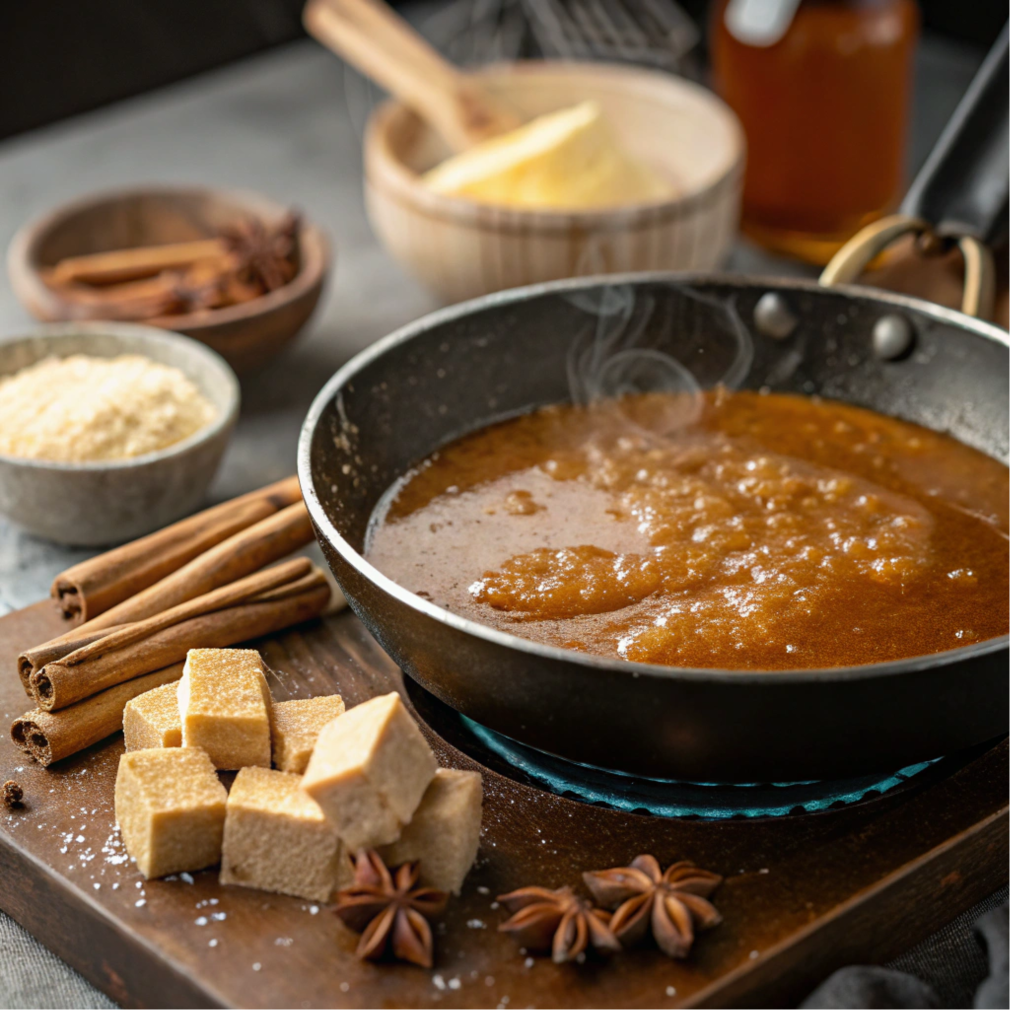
column 152, row 719
column 224, row 707
column 444, row 832
column 170, row 808
column 369, row 770
column 295, row 726
column 277, row 839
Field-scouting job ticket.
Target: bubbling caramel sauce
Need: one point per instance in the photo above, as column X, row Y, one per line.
column 771, row 532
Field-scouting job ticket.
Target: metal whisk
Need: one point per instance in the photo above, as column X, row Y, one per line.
column 653, row 33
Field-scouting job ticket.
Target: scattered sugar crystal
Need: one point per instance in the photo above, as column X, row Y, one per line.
column 186, row 878
column 313, row 909
column 140, row 902
column 219, row 916
column 256, row 966
column 670, row 991
column 476, row 924
column 202, row 921
column 283, row 941
column 483, row 890
column 455, row 983
column 115, row 886
column 97, row 886
column 438, row 982
column 212, row 943
column 140, row 883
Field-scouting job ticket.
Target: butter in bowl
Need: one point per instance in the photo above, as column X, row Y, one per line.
column 534, row 171
column 571, row 159
column 109, row 430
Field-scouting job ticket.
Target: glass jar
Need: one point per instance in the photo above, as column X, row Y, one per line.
column 825, row 106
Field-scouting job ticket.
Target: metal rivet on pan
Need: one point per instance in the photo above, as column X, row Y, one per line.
column 892, row 337
column 772, row 316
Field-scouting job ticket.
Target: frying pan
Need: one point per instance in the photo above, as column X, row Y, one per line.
column 473, row 364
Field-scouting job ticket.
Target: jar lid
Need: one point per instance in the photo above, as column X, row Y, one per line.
column 759, row 23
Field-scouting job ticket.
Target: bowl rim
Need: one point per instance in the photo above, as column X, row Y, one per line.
column 315, row 249
column 219, row 426
column 605, row 664
column 386, row 174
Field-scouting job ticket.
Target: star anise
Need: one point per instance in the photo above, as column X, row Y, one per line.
column 389, row 910
column 673, row 903
column 266, row 256
column 559, row 921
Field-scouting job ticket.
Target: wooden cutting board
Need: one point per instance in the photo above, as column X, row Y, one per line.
column 803, row 895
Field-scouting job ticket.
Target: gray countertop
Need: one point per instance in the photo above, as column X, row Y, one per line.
column 287, row 123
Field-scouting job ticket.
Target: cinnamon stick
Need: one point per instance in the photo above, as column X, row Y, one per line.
column 119, row 265
column 48, row 652
column 232, row 559
column 259, row 586
column 143, row 299
column 74, row 645
column 247, row 551
column 53, row 736
column 94, row 586
column 60, row 684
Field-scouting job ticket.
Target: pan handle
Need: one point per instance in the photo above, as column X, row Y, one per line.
column 959, row 195
column 962, row 189
column 979, row 269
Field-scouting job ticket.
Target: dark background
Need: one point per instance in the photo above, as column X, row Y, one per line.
column 59, row 58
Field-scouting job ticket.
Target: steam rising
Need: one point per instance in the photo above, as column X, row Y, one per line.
column 617, row 354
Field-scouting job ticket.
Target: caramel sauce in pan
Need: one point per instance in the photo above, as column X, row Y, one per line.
column 737, row 530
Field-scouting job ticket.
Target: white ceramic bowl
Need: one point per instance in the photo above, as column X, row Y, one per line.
column 92, row 504
column 461, row 249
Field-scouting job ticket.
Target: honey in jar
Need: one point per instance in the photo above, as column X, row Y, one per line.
column 823, row 89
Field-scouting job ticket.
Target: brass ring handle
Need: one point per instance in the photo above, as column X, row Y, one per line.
column 852, row 259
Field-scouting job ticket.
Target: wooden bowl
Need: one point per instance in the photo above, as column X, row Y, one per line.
column 245, row 335
column 461, row 249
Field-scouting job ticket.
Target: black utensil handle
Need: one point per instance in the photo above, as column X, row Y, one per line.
column 962, row 188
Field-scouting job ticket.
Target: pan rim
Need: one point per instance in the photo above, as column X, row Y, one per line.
column 604, row 664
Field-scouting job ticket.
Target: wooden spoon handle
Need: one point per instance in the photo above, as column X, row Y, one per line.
column 385, row 48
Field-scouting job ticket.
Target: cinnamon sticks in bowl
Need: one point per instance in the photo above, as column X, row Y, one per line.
column 201, row 583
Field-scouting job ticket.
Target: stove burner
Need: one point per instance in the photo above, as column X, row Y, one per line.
column 671, row 798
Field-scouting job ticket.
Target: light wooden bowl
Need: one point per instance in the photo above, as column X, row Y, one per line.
column 461, row 249
column 245, row 335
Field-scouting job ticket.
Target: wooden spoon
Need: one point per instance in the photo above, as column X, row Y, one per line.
column 368, row 34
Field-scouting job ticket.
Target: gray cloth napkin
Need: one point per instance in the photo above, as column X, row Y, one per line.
column 963, row 965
